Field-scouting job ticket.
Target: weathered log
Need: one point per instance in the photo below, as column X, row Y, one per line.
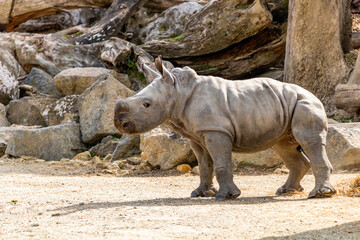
column 112, row 22
column 217, row 26
column 51, row 52
column 161, row 5
column 314, row 56
column 49, row 24
column 244, row 59
column 23, row 10
column 347, row 97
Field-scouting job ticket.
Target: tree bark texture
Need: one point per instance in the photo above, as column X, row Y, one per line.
column 217, row 26
column 112, row 22
column 50, row 52
column 345, row 25
column 23, row 10
column 244, row 59
column 314, row 57
column 161, row 5
column 347, row 97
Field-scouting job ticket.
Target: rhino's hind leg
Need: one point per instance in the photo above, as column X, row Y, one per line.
column 206, row 188
column 219, row 146
column 309, row 126
column 294, row 160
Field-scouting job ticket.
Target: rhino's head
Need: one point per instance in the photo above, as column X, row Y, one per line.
column 150, row 107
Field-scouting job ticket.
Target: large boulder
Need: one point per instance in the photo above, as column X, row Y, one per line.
column 3, row 120
column 42, row 81
column 65, row 110
column 343, row 145
column 127, row 146
column 10, row 71
column 75, row 81
column 50, row 143
column 29, row 111
column 5, row 134
column 105, row 147
column 119, row 148
column 165, row 149
column 267, row 158
column 96, row 108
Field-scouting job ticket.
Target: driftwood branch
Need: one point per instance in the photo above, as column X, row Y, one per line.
column 23, row 10
column 217, row 26
column 112, row 22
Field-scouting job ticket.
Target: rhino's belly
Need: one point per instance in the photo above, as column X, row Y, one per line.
column 248, row 143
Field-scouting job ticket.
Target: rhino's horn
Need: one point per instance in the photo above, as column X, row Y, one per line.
column 149, row 73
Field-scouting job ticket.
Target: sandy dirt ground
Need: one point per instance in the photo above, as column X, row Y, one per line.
column 54, row 201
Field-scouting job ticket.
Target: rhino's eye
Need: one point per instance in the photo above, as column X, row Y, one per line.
column 146, row 105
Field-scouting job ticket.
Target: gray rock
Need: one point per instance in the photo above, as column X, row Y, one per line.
column 29, row 110
column 170, row 23
column 50, row 143
column 106, row 146
column 43, row 82
column 96, row 108
column 10, row 71
column 267, row 158
column 163, row 148
column 75, row 81
column 343, row 145
column 64, row 110
column 128, row 146
column 3, row 120
column 5, row 132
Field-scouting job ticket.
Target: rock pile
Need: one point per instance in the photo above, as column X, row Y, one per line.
column 57, row 98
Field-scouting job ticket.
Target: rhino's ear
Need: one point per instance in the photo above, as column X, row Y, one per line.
column 167, row 76
column 150, row 74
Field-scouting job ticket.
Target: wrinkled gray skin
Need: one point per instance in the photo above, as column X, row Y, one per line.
column 220, row 116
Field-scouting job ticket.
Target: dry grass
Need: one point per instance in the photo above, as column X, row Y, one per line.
column 349, row 188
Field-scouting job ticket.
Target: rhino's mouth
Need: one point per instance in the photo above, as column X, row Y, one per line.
column 124, row 126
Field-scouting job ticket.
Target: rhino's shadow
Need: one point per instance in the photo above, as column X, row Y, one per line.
column 169, row 202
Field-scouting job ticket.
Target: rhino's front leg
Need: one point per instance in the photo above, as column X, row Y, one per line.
column 219, row 146
column 206, row 188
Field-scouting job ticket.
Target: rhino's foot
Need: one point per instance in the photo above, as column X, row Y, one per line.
column 326, row 191
column 203, row 191
column 227, row 193
column 288, row 190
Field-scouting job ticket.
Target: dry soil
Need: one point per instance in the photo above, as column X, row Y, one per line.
column 57, row 201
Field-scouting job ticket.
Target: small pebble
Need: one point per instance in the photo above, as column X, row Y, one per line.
column 195, row 170
column 183, row 168
column 35, row 225
column 55, row 214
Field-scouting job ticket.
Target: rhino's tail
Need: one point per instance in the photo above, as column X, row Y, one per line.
column 299, row 148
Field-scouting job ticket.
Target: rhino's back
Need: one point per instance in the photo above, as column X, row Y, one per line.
column 254, row 112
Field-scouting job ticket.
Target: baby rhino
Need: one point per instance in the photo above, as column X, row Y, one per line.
column 219, row 116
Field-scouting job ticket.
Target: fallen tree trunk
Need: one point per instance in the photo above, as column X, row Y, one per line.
column 347, row 97
column 244, row 59
column 24, row 10
column 217, row 26
column 50, row 52
column 161, row 5
column 112, row 22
